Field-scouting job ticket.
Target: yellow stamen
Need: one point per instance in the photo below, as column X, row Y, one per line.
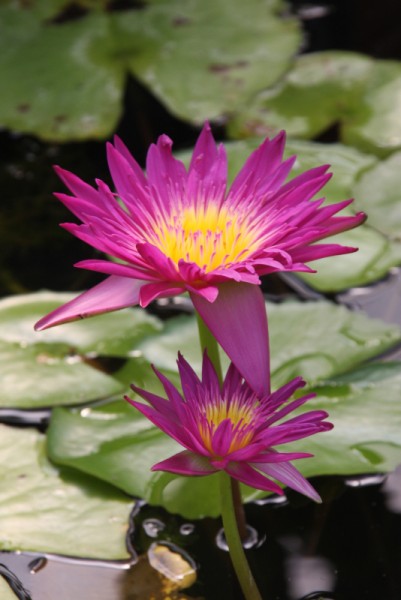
column 209, row 236
column 240, row 417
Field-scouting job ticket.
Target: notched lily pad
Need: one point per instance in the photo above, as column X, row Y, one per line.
column 374, row 258
column 42, row 508
column 237, row 48
column 365, row 408
column 321, row 89
column 378, row 193
column 115, row 334
column 376, row 126
column 80, row 101
column 248, row 47
column 44, row 375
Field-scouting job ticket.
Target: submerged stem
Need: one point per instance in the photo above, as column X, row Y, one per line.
column 233, row 540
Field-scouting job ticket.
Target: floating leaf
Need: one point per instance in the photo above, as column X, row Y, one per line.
column 376, row 126
column 248, row 47
column 204, row 59
column 45, row 375
column 378, row 193
column 322, row 88
column 115, row 334
column 45, row 509
column 62, row 81
column 365, row 408
column 375, row 256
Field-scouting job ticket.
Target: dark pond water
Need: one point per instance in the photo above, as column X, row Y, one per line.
column 348, row 548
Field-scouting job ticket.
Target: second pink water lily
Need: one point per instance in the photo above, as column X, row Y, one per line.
column 227, row 427
column 175, row 230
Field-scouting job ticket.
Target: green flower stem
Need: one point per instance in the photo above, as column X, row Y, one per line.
column 233, row 540
column 208, row 342
column 232, row 509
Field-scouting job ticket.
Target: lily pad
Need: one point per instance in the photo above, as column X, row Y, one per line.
column 376, row 126
column 44, row 375
column 315, row 340
column 115, row 334
column 42, row 508
column 321, row 89
column 375, row 256
column 204, row 59
column 81, row 100
column 378, row 193
column 324, row 89
column 248, row 48
column 365, row 408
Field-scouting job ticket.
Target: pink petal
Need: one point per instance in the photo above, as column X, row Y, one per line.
column 260, row 164
column 290, row 476
column 248, row 475
column 207, row 175
column 237, row 319
column 222, row 438
column 185, row 463
column 78, row 187
column 162, row 289
column 165, row 173
column 112, row 294
column 113, row 268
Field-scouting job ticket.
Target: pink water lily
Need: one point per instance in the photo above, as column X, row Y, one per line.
column 177, row 230
column 228, row 427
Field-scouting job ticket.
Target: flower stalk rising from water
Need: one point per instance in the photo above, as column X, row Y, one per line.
column 175, row 230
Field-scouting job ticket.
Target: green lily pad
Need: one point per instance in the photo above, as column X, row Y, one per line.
column 375, row 256
column 6, row 592
column 376, row 126
column 347, row 165
column 315, row 340
column 81, row 100
column 114, row 334
column 248, row 47
column 377, row 193
column 204, row 59
column 365, row 409
column 120, row 447
column 113, row 442
column 42, row 508
column 321, row 89
column 44, row 375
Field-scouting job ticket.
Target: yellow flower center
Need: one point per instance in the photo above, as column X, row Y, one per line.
column 241, row 416
column 210, row 237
